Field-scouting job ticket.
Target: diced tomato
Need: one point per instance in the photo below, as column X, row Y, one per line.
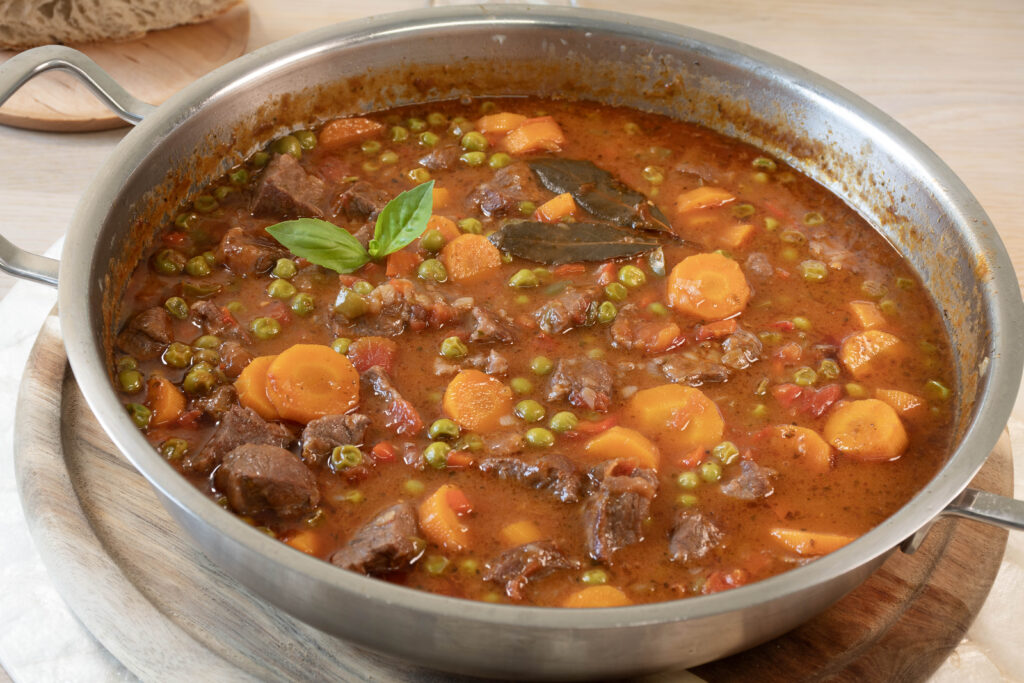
column 279, row 311
column 175, row 239
column 459, row 460
column 716, row 330
column 567, row 269
column 366, row 352
column 403, row 417
column 787, row 394
column 458, row 502
column 188, row 419
column 818, row 402
column 348, row 280
column 776, row 211
column 720, row 581
column 585, row 427
column 402, row 263
column 606, row 274
column 302, row 263
column 784, row 325
column 383, row 451
column 693, row 458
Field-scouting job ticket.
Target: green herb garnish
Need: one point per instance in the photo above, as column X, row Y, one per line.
column 400, row 222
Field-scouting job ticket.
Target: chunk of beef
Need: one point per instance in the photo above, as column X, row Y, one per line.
column 233, row 358
column 217, row 402
column 753, row 481
column 238, row 426
column 831, row 251
column 394, row 306
column 633, row 329
column 388, row 542
column 614, row 514
column 323, row 434
column 401, row 415
column 147, row 333
column 554, row 473
column 248, row 253
column 741, row 349
column 501, row 195
column 442, row 158
column 758, row 266
column 216, row 320
column 689, row 368
column 693, row 537
column 516, row 567
column 504, row 443
column 572, row 308
column 361, row 201
column 259, row 478
column 495, row 363
column 285, row 189
column 586, row 381
column 491, row 327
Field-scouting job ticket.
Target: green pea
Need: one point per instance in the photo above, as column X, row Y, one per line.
column 453, row 347
column 205, row 203
column 432, row 269
column 473, row 158
column 653, row 175
column 177, row 307
column 238, row 176
column 937, row 391
column 443, row 429
column 687, row 500
column 174, row 449
column 140, row 415
column 208, row 356
column 302, row 304
column 888, row 307
column 169, row 262
column 801, row 323
column 813, row 218
column 199, row 380
column 259, row 159
column 764, row 164
column 436, row 118
column 130, row 381
column 362, row 287
column 388, row 157
column 524, row 278
column 281, row 289
column 805, row 376
column 527, row 208
column 813, row 271
column 726, row 452
column 435, row 564
column 631, row 128
column 413, row 487
column 344, row 457
column 595, row 353
column 829, row 369
column 710, row 471
column 522, row 299
column 606, row 312
column 471, row 225
column 235, row 307
column 499, row 160
column 616, row 291
column 127, row 363
column 469, row 566
column 538, row 437
column 428, row 139
column 306, row 138
column 370, row 147
column 210, row 258
column 219, row 193
column 207, row 341
column 688, row 480
column 530, row 410
column 418, row 175
column 399, row 134
column 854, row 390
column 341, row 344
column 770, row 338
column 541, row 365
column 370, row 167
column 432, row 241
column 789, row 254
column 288, row 144
column 265, row 328
column 178, row 355
column 285, row 269
column 186, row 220
column 488, row 107
column 416, row 125
column 350, row 303
column 794, row 237
column 594, row 577
column 771, row 224
column 474, row 142
column 759, row 411
column 657, row 308
column 521, row 385
column 563, row 421
column 436, row 454
column 631, row 276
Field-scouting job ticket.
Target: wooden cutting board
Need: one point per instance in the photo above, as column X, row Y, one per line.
column 167, row 613
column 151, row 68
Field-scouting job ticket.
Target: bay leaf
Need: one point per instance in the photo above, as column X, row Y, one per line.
column 559, row 243
column 600, row 193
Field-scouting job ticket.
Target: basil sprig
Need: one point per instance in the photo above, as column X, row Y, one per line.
column 400, row 222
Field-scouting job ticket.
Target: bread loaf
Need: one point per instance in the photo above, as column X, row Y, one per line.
column 28, row 23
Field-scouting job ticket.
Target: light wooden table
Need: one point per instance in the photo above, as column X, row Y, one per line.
column 950, row 71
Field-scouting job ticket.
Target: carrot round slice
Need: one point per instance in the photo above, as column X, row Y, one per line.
column 708, row 286
column 469, row 256
column 597, row 596
column 681, row 419
column 439, row 522
column 308, row 381
column 801, row 445
column 477, row 401
column 251, row 386
column 868, row 430
column 625, row 443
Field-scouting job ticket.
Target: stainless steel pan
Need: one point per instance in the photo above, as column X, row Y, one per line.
column 858, row 152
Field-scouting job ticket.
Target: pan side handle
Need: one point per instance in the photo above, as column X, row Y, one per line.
column 22, row 68
column 988, row 507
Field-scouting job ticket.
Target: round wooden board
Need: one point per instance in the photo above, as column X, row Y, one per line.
column 159, row 606
column 152, row 68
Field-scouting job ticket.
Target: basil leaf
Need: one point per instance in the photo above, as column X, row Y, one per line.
column 402, row 220
column 322, row 243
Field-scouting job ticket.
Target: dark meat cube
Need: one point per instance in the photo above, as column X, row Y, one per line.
column 613, row 516
column 217, row 402
column 554, row 473
column 689, row 368
column 233, row 358
column 286, row 190
column 238, row 426
column 215, row 320
column 751, row 483
column 361, row 201
column 741, row 350
column 490, row 327
column 147, row 333
column 501, row 195
column 442, row 158
column 572, row 308
column 389, row 542
column 401, row 415
column 323, row 434
column 247, row 253
column 516, row 567
column 585, row 381
column 758, row 266
column 694, row 536
column 258, row 478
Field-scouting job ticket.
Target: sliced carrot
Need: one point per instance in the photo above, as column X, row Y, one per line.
column 383, row 451
column 439, row 522
column 704, row 197
column 477, row 401
column 441, row 197
column 446, row 226
column 597, row 596
column 555, row 209
column 469, row 256
column 402, row 262
column 867, row 314
column 165, row 400
column 907, row 405
column 457, row 460
column 502, row 122
column 868, row 352
column 606, row 274
column 734, row 236
column 867, row 430
column 520, row 533
column 306, row 540
column 801, row 444
column 624, row 443
column 541, row 133
column 810, row 543
column 251, row 386
column 458, row 502
column 308, row 381
column 716, row 330
column 343, row 132
column 680, row 418
column 708, row 286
